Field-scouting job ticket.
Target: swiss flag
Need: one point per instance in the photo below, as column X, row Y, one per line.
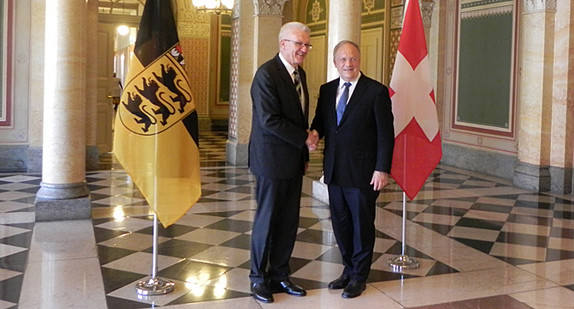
column 417, row 138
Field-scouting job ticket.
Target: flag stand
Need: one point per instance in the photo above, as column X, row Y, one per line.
column 403, row 261
column 154, row 285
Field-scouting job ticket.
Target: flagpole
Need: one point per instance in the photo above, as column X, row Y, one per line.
column 403, row 261
column 154, row 285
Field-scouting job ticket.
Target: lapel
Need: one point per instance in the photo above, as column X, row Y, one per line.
column 305, row 92
column 288, row 82
column 360, row 88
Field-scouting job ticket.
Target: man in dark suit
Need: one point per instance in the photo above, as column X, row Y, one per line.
column 278, row 157
column 354, row 115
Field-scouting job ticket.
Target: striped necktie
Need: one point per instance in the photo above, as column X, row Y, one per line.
column 299, row 88
column 343, row 102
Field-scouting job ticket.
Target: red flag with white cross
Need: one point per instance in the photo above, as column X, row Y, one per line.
column 418, row 147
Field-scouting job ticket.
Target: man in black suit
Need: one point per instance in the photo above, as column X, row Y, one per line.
column 354, row 115
column 278, row 157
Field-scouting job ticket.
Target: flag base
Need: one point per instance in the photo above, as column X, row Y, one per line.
column 154, row 286
column 403, row 262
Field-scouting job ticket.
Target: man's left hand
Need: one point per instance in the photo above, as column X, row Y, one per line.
column 379, row 180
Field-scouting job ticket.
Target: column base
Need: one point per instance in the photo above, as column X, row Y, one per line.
column 61, row 210
column 561, row 180
column 532, row 177
column 320, row 191
column 236, row 154
column 58, row 202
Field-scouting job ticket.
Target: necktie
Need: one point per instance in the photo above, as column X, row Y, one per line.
column 343, row 102
column 298, row 87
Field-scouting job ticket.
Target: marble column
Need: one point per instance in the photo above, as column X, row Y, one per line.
column 535, row 89
column 92, row 152
column 344, row 24
column 562, row 130
column 63, row 193
column 255, row 27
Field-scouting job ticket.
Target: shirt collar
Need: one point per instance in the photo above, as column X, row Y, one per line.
column 353, row 82
column 287, row 65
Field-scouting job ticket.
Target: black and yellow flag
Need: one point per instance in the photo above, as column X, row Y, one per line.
column 156, row 135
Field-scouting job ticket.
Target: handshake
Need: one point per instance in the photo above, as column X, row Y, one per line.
column 312, row 140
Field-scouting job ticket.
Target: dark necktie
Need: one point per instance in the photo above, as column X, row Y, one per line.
column 298, row 87
column 343, row 102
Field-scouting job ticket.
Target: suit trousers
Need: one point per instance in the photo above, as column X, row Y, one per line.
column 353, row 217
column 274, row 227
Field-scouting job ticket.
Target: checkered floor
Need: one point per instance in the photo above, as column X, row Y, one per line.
column 206, row 253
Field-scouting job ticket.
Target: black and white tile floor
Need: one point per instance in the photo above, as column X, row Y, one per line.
column 481, row 243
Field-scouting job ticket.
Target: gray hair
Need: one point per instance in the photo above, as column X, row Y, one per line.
column 343, row 42
column 291, row 27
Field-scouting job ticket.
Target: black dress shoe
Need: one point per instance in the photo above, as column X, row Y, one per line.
column 261, row 293
column 288, row 287
column 354, row 289
column 339, row 283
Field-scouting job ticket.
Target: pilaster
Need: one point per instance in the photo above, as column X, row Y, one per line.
column 562, row 130
column 535, row 89
column 255, row 27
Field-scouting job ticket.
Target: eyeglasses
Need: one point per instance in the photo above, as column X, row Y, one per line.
column 345, row 59
column 299, row 44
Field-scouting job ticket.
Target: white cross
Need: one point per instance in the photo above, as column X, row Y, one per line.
column 412, row 98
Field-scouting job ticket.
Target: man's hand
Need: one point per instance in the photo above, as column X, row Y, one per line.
column 379, row 180
column 312, row 140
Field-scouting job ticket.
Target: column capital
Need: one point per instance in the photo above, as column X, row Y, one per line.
column 534, row 6
column 268, row 7
column 426, row 9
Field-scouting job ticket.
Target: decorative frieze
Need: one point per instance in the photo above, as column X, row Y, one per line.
column 426, row 11
column 483, row 8
column 268, row 7
column 533, row 6
column 487, row 12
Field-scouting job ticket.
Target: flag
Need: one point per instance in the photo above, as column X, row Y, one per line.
column 156, row 135
column 417, row 138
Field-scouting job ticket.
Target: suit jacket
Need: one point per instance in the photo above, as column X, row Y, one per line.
column 363, row 141
column 278, row 129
